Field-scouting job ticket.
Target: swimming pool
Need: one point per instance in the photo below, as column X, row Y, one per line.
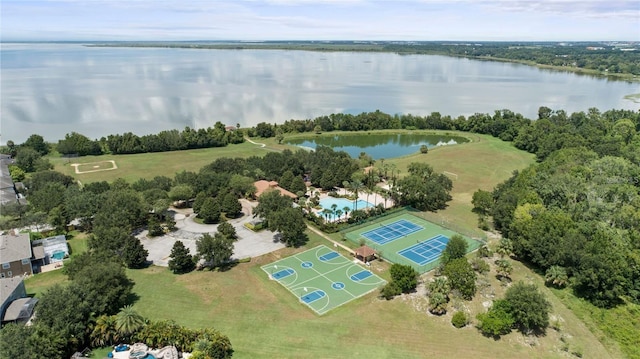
column 326, row 203
column 58, row 255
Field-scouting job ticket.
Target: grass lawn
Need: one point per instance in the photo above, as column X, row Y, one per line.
column 149, row 165
column 480, row 164
column 263, row 320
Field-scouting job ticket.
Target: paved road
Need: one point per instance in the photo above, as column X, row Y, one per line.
column 249, row 244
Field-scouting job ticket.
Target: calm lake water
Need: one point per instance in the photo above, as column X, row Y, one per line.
column 53, row 89
column 379, row 145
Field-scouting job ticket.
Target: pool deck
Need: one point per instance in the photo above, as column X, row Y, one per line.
column 373, row 198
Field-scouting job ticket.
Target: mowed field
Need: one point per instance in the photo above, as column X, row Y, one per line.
column 263, row 320
column 149, row 165
column 481, row 163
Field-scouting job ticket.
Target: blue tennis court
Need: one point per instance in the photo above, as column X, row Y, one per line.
column 427, row 251
column 390, row 232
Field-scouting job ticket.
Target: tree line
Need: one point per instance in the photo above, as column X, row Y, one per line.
column 29, row 154
column 607, row 133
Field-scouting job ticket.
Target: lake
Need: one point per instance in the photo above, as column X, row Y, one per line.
column 53, row 89
column 378, row 145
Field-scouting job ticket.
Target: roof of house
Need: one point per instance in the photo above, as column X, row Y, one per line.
column 8, row 286
column 263, row 185
column 14, row 247
column 20, row 309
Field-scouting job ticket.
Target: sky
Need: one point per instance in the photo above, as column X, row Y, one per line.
column 408, row 20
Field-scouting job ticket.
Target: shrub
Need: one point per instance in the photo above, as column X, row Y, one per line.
column 390, row 290
column 404, row 276
column 497, row 321
column 459, row 319
column 480, row 265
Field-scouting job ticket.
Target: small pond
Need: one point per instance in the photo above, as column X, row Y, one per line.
column 379, row 145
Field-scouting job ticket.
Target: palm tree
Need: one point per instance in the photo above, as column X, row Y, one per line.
column 128, row 321
column 338, row 213
column 505, row 247
column 438, row 303
column 504, row 268
column 556, row 276
column 440, row 285
column 346, row 210
column 104, row 332
column 326, row 213
column 333, row 210
column 355, row 187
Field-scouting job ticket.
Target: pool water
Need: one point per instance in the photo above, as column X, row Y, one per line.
column 326, row 203
column 59, row 255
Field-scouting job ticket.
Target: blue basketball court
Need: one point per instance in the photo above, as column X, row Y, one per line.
column 390, row 232
column 427, row 251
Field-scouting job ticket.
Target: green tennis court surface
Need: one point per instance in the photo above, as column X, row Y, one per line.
column 322, row 279
column 406, row 239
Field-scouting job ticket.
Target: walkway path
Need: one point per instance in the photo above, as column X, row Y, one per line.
column 318, row 232
column 255, row 143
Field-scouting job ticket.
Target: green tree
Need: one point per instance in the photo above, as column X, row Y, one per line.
column 423, row 189
column 286, row 179
column 128, row 322
column 133, row 253
column 556, row 276
column 17, row 174
column 181, row 259
column 505, row 247
column 439, row 285
column 210, row 211
column 20, row 341
column 216, row 250
column 227, row 230
column 231, row 206
column 461, row 277
column 29, row 160
column 154, row 227
column 198, row 201
column 298, row 185
column 290, row 223
column 181, row 192
column 104, row 286
column 404, row 276
column 497, row 321
column 528, row 306
column 37, row 143
column 459, row 319
column 104, row 331
column 270, row 202
column 456, row 248
column 424, row 149
column 482, row 202
column 390, row 290
column 504, row 268
column 242, row 186
column 438, row 303
column 212, row 345
column 65, row 312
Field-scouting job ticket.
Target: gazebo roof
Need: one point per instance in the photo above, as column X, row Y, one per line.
column 365, row 251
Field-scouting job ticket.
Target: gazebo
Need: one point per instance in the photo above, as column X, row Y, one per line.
column 365, row 253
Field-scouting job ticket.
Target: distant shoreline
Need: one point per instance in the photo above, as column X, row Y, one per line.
column 400, row 48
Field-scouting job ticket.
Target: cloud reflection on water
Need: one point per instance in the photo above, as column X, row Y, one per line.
column 55, row 89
